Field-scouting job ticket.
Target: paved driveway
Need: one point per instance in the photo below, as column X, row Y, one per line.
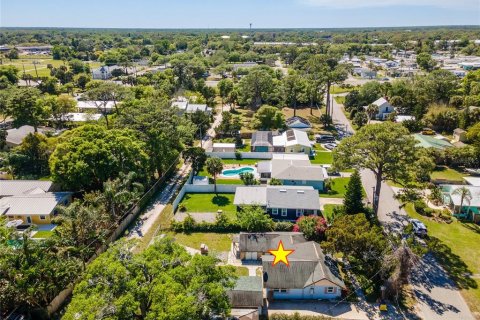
column 437, row 295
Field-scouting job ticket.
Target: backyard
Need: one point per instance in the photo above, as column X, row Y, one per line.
column 458, row 250
column 209, row 202
column 446, row 173
column 218, row 242
column 337, row 188
column 322, row 157
column 327, row 211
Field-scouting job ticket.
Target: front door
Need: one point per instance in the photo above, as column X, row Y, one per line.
column 29, row 220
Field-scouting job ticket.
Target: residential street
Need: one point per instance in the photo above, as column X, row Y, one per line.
column 437, row 296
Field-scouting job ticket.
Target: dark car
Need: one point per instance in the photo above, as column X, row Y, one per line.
column 324, row 138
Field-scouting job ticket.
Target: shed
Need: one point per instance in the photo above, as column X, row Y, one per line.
column 247, row 293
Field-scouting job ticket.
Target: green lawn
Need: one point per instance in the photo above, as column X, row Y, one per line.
column 218, row 242
column 337, row 89
column 318, row 147
column 458, row 251
column 241, row 271
column 42, row 234
column 209, row 202
column 246, row 145
column 328, row 211
column 338, row 188
column 241, row 161
column 447, row 174
column 340, row 99
column 229, row 181
column 322, row 157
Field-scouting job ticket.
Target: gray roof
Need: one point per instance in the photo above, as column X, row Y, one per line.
column 15, row 136
column 296, row 170
column 247, row 283
column 34, row 204
column 297, row 122
column 23, row 187
column 262, row 139
column 248, row 292
column 307, row 266
column 262, row 242
column 380, row 102
column 289, row 197
column 293, row 198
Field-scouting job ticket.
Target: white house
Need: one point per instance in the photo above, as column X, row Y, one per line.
column 384, row 108
column 104, row 106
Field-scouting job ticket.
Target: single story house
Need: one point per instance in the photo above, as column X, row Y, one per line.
column 36, row 208
column 426, row 141
column 185, row 106
column 280, row 202
column 244, row 65
column 310, row 275
column 470, row 209
column 290, row 141
column 89, row 105
column 82, row 117
column 247, row 293
column 293, row 172
column 298, row 123
column 105, row 72
column 15, row 136
column 224, row 147
column 10, row 188
column 384, row 108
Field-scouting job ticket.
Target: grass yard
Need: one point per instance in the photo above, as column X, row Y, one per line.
column 458, row 251
column 41, row 62
column 241, row 161
column 446, row 173
column 246, row 146
column 322, row 157
column 218, row 242
column 337, row 89
column 241, row 271
column 42, row 234
column 338, row 188
column 229, row 181
column 304, row 112
column 209, row 202
column 340, row 99
column 327, row 211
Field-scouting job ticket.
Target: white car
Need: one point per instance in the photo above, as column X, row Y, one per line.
column 418, row 227
column 330, row 146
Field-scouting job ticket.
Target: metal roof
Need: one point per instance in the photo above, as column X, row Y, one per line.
column 37, row 204
column 23, row 187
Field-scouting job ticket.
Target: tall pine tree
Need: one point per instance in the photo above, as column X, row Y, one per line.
column 353, row 201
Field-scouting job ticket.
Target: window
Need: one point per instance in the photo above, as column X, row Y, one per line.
column 330, row 290
column 284, row 212
column 299, row 212
column 304, row 181
column 275, row 211
column 42, row 218
column 280, row 290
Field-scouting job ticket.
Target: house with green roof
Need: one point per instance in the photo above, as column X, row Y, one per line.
column 425, row 141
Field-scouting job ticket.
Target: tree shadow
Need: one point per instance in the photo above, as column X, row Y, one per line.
column 221, row 201
column 471, row 226
column 453, row 264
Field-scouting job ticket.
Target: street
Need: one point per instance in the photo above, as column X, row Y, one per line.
column 437, row 296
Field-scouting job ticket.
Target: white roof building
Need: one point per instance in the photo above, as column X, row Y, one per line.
column 23, row 187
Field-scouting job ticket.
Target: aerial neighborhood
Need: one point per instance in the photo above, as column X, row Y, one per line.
column 245, row 174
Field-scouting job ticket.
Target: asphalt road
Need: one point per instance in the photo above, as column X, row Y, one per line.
column 437, row 296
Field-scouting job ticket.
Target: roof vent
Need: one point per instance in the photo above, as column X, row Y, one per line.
column 301, row 191
column 283, row 190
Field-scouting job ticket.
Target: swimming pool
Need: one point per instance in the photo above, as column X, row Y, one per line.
column 236, row 172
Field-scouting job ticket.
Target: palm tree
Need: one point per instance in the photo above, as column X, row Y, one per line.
column 465, row 195
column 120, row 194
column 372, row 110
column 214, row 167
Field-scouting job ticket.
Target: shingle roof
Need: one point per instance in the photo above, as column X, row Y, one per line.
column 297, row 121
column 23, row 187
column 262, row 242
column 296, row 170
column 307, row 265
column 293, row 198
column 247, row 283
column 36, row 204
column 250, row 196
column 15, row 136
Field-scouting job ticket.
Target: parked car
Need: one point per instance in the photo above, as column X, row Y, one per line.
column 428, row 131
column 418, row 227
column 324, row 138
column 330, row 146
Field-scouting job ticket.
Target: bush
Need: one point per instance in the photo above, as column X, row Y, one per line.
column 182, row 208
column 283, row 226
column 238, row 155
column 420, row 206
column 428, row 212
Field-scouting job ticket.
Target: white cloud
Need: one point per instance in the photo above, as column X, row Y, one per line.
column 458, row 4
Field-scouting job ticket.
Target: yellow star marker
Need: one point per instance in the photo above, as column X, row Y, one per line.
column 280, row 254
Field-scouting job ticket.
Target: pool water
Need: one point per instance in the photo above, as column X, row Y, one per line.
column 236, row 172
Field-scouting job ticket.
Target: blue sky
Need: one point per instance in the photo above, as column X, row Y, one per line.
column 237, row 13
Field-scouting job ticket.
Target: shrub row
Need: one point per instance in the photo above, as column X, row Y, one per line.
column 190, row 225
